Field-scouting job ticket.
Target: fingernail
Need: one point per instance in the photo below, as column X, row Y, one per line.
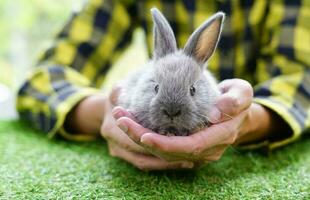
column 122, row 126
column 215, row 115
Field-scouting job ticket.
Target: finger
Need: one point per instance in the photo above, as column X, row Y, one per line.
column 217, row 155
column 133, row 129
column 112, row 133
column 190, row 147
column 239, row 91
column 227, row 84
column 211, row 155
column 236, row 96
column 125, row 142
column 215, row 150
column 145, row 162
column 168, row 144
column 114, row 94
column 119, row 112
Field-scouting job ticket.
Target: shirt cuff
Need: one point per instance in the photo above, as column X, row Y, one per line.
column 63, row 109
column 288, row 118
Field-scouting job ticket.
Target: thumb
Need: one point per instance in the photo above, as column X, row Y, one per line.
column 119, row 112
column 114, row 94
column 236, row 97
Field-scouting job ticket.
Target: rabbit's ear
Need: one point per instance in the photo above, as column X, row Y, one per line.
column 164, row 40
column 203, row 41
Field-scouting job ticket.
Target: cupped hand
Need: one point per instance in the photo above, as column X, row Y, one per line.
column 120, row 145
column 230, row 122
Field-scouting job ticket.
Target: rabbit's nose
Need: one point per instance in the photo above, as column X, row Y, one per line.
column 172, row 113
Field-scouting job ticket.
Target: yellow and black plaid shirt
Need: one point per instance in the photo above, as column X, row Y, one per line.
column 264, row 42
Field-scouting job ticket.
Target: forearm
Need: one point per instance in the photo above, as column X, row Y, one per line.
column 87, row 116
column 262, row 124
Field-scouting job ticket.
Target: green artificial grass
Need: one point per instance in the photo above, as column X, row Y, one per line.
column 34, row 167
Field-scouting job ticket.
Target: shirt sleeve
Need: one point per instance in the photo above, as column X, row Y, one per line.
column 75, row 65
column 285, row 65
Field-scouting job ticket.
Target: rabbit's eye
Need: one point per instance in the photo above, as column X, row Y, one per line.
column 192, row 90
column 156, row 88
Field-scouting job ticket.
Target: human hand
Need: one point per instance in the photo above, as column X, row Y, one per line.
column 231, row 115
column 120, row 145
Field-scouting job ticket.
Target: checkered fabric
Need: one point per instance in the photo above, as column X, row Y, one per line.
column 264, row 42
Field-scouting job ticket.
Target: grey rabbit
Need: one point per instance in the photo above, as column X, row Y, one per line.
column 174, row 93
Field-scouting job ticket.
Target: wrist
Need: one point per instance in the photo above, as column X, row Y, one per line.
column 257, row 126
column 86, row 117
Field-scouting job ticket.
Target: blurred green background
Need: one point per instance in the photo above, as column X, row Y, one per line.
column 26, row 28
column 33, row 167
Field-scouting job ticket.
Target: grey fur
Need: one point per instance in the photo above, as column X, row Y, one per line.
column 191, row 46
column 164, row 40
column 175, row 72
